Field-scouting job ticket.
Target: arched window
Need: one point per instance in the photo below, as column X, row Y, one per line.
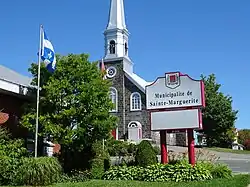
column 114, row 99
column 126, row 48
column 135, row 101
column 112, row 47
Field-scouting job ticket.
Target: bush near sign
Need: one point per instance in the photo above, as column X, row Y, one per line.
column 175, row 91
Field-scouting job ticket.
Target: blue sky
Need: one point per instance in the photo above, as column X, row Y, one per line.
column 194, row 37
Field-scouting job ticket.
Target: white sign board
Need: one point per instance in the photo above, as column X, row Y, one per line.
column 174, row 120
column 175, row 91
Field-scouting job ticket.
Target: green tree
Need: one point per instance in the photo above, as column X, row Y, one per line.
column 243, row 135
column 74, row 103
column 218, row 116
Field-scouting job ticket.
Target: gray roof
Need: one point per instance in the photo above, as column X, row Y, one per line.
column 14, row 77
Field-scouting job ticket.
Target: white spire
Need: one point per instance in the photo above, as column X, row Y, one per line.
column 116, row 15
column 116, row 33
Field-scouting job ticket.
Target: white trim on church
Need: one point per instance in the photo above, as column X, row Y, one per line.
column 135, row 101
column 114, row 98
column 116, row 30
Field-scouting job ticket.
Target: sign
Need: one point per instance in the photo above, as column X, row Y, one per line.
column 175, row 91
column 176, row 120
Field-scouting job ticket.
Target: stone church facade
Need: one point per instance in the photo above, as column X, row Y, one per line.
column 128, row 89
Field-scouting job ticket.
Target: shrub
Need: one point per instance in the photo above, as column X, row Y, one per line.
column 8, row 168
column 97, row 168
column 120, row 148
column 145, row 154
column 122, row 173
column 218, row 170
column 127, row 161
column 38, row 171
column 200, row 173
column 131, row 149
column 157, row 150
column 11, row 152
column 159, row 172
column 75, row 176
column 100, row 162
column 221, row 171
column 13, row 148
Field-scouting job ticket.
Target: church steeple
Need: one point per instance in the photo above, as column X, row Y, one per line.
column 116, row 33
column 116, row 15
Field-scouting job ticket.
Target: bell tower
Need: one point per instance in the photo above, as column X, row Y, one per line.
column 116, row 33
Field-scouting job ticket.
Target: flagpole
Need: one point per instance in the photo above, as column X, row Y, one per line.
column 38, row 89
column 103, row 69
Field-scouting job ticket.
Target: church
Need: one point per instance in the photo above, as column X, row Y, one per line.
column 128, row 89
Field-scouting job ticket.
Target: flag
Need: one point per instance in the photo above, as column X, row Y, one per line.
column 48, row 53
column 103, row 69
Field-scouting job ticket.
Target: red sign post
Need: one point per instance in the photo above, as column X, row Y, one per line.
column 175, row 103
column 164, row 151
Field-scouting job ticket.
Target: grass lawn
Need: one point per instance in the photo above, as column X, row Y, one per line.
column 228, row 150
column 237, row 181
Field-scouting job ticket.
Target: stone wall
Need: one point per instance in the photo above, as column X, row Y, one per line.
column 182, row 139
column 140, row 116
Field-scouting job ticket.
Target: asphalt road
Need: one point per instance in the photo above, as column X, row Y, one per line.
column 238, row 166
column 239, row 163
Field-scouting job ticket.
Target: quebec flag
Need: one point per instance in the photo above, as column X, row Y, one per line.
column 48, row 53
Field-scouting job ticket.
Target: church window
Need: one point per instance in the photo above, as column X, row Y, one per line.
column 126, row 48
column 112, row 47
column 114, row 99
column 135, row 101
